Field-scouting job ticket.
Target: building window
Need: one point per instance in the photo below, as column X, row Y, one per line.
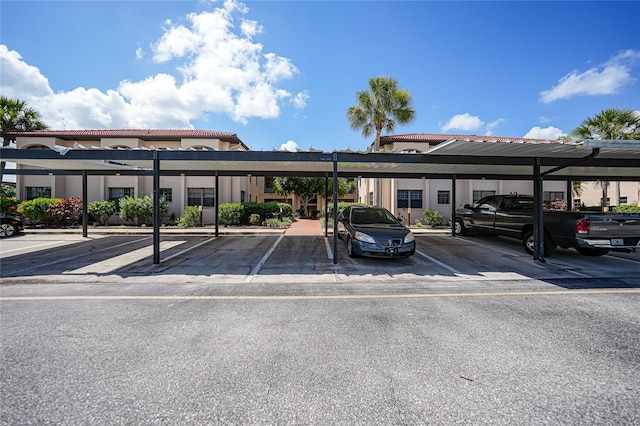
column 408, row 199
column 167, row 194
column 477, row 195
column 268, row 185
column 371, row 198
column 553, row 196
column 116, row 193
column 443, row 197
column 34, row 192
column 623, row 200
column 201, row 197
column 577, row 204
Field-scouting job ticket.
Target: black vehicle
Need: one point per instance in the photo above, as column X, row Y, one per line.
column 10, row 226
column 374, row 232
column 592, row 234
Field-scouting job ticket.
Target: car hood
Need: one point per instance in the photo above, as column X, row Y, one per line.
column 382, row 230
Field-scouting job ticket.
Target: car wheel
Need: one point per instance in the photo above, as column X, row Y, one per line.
column 549, row 244
column 459, row 228
column 350, row 251
column 592, row 251
column 7, row 230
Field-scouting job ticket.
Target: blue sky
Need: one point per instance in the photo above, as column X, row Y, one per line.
column 285, row 72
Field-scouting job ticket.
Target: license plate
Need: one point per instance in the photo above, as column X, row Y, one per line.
column 617, row 242
column 391, row 252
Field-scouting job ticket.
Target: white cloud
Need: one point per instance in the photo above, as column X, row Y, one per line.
column 471, row 123
column 290, row 146
column 547, row 133
column 465, row 122
column 607, row 79
column 19, row 79
column 300, row 100
column 216, row 69
column 490, row 126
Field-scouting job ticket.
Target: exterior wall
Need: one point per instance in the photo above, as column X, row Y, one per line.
column 63, row 186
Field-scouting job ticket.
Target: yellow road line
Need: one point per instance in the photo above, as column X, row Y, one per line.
column 330, row 297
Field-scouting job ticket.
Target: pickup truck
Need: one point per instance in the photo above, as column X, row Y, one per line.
column 592, row 234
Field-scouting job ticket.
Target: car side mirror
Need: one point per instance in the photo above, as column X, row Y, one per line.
column 467, row 206
column 340, row 217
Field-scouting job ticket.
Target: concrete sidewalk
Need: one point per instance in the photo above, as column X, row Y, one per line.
column 299, row 227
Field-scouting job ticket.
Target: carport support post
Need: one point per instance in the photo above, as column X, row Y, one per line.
column 538, row 222
column 326, row 205
column 335, row 208
column 217, row 192
column 156, row 208
column 85, row 215
column 569, row 195
column 453, row 206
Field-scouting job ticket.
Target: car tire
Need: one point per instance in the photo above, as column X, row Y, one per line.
column 459, row 228
column 7, row 230
column 350, row 251
column 549, row 244
column 592, row 251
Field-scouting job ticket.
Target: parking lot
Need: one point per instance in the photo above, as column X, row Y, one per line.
column 265, row 329
column 281, row 259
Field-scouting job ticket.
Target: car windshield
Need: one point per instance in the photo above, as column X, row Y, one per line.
column 372, row 216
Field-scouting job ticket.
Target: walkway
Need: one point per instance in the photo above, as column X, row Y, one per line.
column 305, row 227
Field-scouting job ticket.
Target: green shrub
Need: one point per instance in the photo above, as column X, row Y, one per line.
column 8, row 191
column 434, row 218
column 190, row 218
column 102, row 210
column 139, row 210
column 66, row 212
column 36, row 210
column 626, row 208
column 8, row 205
column 230, row 213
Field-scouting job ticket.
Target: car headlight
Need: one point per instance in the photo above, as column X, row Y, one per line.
column 366, row 238
column 409, row 237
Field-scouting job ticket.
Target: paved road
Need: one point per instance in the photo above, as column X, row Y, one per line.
column 457, row 334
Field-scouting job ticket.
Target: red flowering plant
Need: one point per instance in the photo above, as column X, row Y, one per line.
column 66, row 212
column 8, row 205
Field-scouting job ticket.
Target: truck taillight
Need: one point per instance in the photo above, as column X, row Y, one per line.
column 582, row 227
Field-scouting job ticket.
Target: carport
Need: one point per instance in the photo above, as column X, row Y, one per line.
column 454, row 159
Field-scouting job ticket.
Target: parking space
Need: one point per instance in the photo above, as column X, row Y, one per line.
column 296, row 258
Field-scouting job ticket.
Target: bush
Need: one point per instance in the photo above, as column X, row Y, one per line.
column 254, row 219
column 8, row 205
column 434, row 218
column 8, row 191
column 139, row 210
column 65, row 212
column 102, row 210
column 36, row 210
column 627, row 208
column 190, row 218
column 230, row 213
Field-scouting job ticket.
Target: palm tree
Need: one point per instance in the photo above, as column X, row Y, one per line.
column 610, row 124
column 380, row 107
column 16, row 116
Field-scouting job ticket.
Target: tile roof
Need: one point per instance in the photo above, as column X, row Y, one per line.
column 145, row 134
column 438, row 138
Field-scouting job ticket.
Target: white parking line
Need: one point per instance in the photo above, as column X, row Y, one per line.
column 189, row 249
column 114, row 263
column 437, row 262
column 75, row 257
column 263, row 260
